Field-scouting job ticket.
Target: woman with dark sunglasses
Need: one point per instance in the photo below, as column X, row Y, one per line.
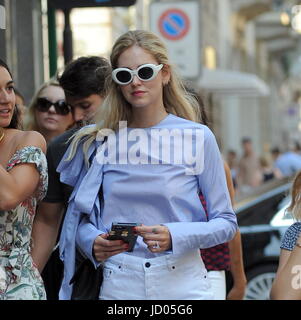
column 139, row 185
column 48, row 112
column 23, row 182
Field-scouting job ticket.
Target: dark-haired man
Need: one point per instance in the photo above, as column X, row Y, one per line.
column 83, row 81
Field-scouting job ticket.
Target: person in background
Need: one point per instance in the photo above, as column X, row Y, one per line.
column 83, row 82
column 286, row 285
column 288, row 163
column 48, row 112
column 225, row 256
column 233, row 165
column 297, row 147
column 165, row 263
column 249, row 171
column 268, row 171
column 23, row 176
column 20, row 103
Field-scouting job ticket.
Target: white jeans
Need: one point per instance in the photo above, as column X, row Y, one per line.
column 218, row 284
column 168, row 277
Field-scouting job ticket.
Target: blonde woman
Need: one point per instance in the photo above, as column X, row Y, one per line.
column 289, row 268
column 48, row 112
column 162, row 196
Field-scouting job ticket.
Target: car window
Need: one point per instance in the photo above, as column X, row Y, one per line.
column 283, row 218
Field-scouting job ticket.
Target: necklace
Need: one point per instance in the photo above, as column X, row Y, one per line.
column 2, row 136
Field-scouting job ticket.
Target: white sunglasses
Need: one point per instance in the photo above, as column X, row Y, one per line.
column 146, row 72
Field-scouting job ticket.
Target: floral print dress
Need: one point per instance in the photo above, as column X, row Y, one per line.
column 19, row 277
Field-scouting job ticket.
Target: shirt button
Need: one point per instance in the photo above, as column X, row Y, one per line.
column 147, row 264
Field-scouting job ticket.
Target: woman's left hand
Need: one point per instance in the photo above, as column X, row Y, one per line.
column 157, row 238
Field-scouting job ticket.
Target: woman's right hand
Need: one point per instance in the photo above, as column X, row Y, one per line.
column 104, row 249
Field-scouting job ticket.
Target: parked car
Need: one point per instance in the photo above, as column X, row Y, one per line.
column 263, row 220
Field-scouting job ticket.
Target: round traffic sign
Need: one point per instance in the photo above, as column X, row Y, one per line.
column 174, row 24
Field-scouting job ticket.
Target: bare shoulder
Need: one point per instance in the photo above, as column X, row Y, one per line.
column 283, row 258
column 30, row 138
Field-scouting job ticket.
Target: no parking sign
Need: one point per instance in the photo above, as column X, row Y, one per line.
column 174, row 24
column 177, row 23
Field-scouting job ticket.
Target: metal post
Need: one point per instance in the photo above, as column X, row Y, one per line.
column 68, row 45
column 52, row 46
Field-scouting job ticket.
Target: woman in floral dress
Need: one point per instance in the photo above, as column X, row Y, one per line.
column 23, row 182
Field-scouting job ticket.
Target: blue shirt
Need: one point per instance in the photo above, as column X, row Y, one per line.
column 288, row 163
column 160, row 193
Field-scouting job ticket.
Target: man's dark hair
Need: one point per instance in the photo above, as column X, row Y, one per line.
column 85, row 76
column 275, row 151
column 245, row 140
column 15, row 122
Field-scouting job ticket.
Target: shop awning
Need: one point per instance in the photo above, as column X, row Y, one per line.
column 230, row 82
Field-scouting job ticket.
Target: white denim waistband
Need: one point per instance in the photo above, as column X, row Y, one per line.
column 169, row 261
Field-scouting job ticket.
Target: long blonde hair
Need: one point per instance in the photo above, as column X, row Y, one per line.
column 295, row 205
column 30, row 122
column 115, row 108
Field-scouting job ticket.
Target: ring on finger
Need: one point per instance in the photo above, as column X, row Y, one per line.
column 154, row 230
column 156, row 246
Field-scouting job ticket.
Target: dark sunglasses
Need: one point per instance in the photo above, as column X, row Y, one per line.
column 61, row 107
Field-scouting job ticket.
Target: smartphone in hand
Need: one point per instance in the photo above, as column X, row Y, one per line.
column 124, row 231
